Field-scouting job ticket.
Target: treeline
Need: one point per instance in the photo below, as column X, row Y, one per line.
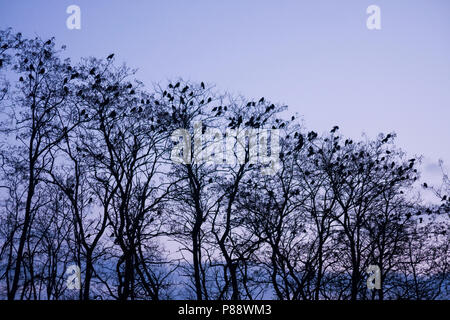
column 87, row 179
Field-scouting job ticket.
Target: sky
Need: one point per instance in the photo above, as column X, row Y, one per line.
column 318, row 57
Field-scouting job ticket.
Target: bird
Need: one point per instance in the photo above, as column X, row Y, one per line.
column 300, row 143
column 113, row 114
column 202, row 85
column 48, row 42
column 110, row 56
column 92, row 71
column 425, row 185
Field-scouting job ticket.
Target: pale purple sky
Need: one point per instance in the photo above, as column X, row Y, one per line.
column 317, row 56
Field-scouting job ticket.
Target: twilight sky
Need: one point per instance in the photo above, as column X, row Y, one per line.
column 317, row 56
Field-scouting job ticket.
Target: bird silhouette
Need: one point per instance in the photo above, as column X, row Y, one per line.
column 110, row 56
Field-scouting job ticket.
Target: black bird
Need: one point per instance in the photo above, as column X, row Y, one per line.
column 177, row 85
column 42, row 71
column 202, row 85
column 92, row 71
column 21, row 79
column 261, row 100
column 113, row 114
column 48, row 42
column 310, row 151
column 425, row 185
column 110, row 56
column 300, row 143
